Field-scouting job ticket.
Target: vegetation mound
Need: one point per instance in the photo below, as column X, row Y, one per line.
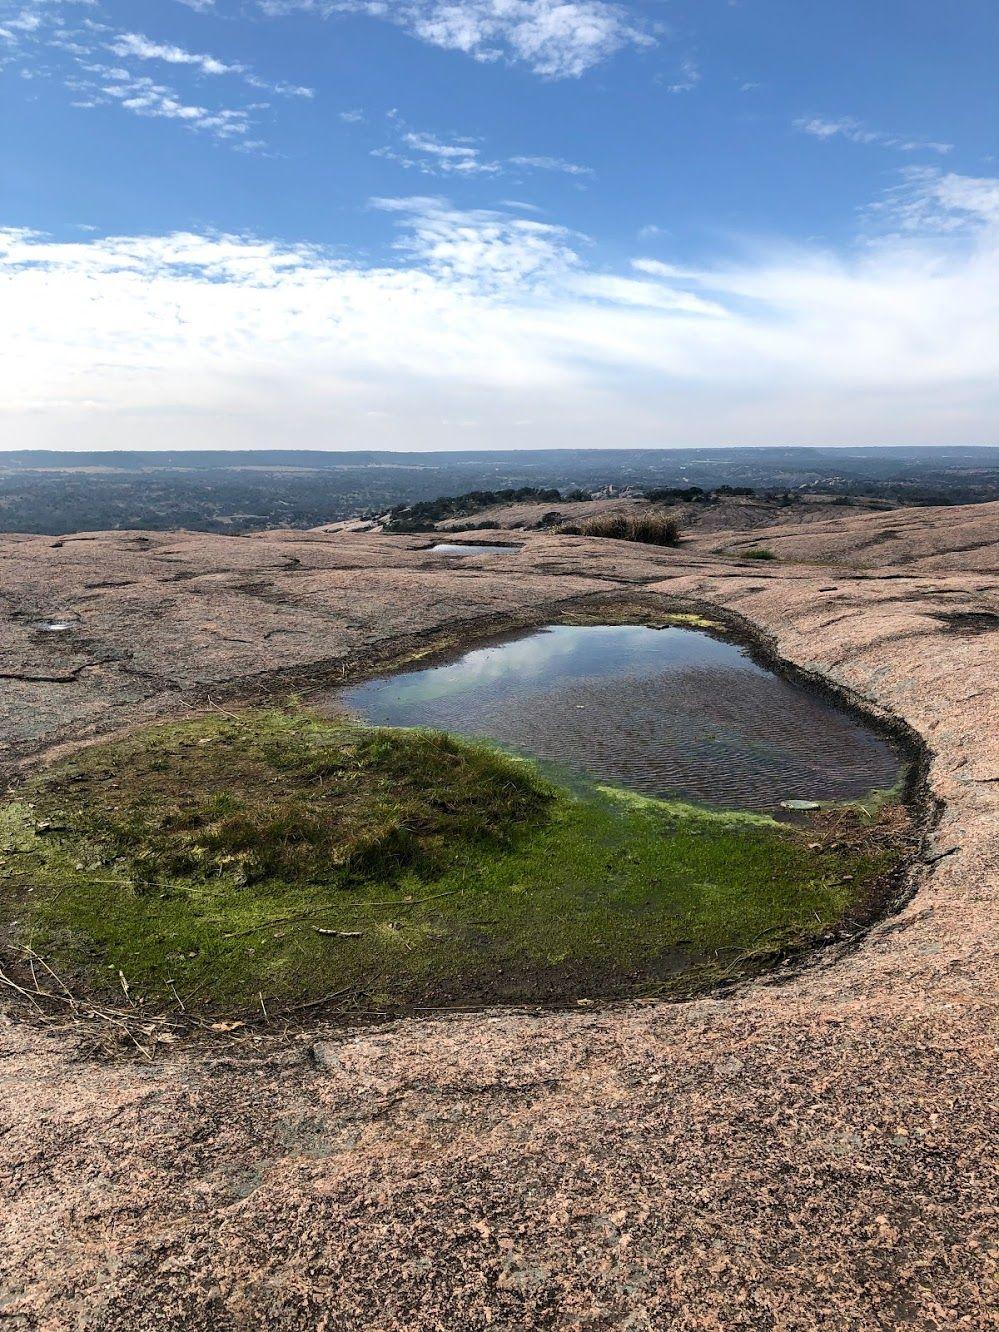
column 276, row 858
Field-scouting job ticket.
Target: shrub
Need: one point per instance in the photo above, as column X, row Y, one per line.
column 676, row 494
column 654, row 529
column 760, row 553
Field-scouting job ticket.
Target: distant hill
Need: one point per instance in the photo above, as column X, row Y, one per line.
column 219, row 491
column 875, row 459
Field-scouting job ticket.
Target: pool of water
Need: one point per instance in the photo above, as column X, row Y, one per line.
column 470, row 548
column 672, row 713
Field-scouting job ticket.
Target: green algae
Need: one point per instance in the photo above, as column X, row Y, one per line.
column 280, row 856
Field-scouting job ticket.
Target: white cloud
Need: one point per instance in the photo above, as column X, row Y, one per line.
column 688, row 78
column 494, row 317
column 102, row 85
column 556, row 38
column 134, row 44
column 82, row 47
column 930, row 201
column 458, row 156
column 481, row 250
column 544, row 163
column 435, row 157
column 822, row 127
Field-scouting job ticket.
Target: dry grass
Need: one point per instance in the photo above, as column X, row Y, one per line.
column 653, row 529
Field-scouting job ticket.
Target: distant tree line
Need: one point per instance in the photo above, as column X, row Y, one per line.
column 693, row 494
column 422, row 516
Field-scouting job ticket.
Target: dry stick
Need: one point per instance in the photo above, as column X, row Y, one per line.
column 58, row 980
column 81, row 1006
column 231, row 715
column 6, row 980
column 117, row 1022
column 335, row 906
column 180, row 1002
column 316, row 1003
column 76, row 1010
column 111, row 883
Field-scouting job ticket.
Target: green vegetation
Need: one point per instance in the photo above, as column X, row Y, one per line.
column 758, row 553
column 655, row 529
column 695, row 494
column 424, row 515
column 278, row 856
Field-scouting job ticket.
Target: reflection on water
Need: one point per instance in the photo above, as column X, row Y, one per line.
column 670, row 712
column 470, row 548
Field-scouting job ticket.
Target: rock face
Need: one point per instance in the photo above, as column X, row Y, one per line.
column 813, row 1152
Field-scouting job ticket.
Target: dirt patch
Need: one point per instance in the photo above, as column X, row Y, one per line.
column 969, row 623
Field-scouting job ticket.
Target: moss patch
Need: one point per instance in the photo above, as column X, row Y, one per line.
column 283, row 855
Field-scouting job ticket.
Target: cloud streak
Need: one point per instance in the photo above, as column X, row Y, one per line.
column 134, row 44
column 458, row 156
column 855, row 131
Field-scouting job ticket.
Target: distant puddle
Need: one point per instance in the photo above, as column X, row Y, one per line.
column 53, row 626
column 671, row 713
column 470, row 548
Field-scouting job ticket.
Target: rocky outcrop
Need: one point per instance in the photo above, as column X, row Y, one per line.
column 816, row 1151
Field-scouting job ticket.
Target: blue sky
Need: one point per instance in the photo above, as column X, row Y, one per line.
column 464, row 223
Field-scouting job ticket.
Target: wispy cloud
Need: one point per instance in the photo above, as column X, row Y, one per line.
column 928, row 201
column 135, row 44
column 491, row 250
column 143, row 48
column 557, row 39
column 106, row 84
column 73, row 33
column 436, row 157
column 541, row 162
column 498, row 317
column 845, row 127
column 688, row 77
column 459, row 155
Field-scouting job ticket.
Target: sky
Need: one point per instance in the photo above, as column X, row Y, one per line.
column 448, row 224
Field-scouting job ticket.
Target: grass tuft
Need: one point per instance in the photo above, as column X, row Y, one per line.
column 654, row 529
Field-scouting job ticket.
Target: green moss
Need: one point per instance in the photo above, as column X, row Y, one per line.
column 281, row 854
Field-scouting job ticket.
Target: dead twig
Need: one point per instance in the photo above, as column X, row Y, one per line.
column 317, row 1003
column 337, row 906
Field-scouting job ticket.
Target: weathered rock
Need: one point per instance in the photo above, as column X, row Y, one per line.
column 814, row 1153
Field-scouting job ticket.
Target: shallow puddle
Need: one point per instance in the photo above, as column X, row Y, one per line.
column 470, row 548
column 671, row 713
